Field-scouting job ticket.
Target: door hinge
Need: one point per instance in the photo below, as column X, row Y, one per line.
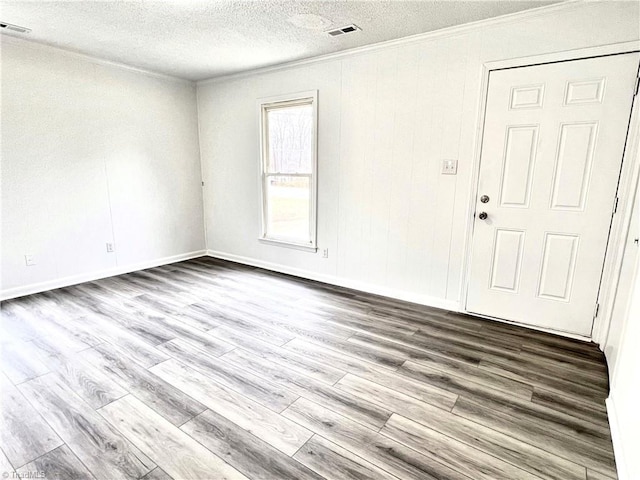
column 615, row 205
column 635, row 92
column 597, row 309
column 203, row 184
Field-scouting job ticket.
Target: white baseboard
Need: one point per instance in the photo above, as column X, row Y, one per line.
column 616, row 438
column 341, row 282
column 89, row 277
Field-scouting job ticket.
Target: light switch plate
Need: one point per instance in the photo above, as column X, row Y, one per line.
column 449, row 167
column 29, row 260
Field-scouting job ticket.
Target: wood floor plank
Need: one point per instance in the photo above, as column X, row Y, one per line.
column 118, row 286
column 549, row 380
column 23, row 361
column 12, row 327
column 60, row 463
column 404, row 351
column 423, row 338
column 293, row 361
column 470, row 461
column 362, row 411
column 591, row 475
column 369, row 353
column 555, row 343
column 322, row 354
column 89, row 382
column 539, row 435
column 196, row 337
column 281, row 316
column 164, row 327
column 452, row 383
column 48, row 312
column 252, row 386
column 99, row 446
column 281, row 433
column 171, row 449
column 389, row 399
column 24, row 435
column 595, row 372
column 64, row 302
column 246, row 326
column 383, row 452
column 458, row 335
column 577, row 359
column 248, row 454
column 421, row 391
column 196, row 318
column 364, row 323
column 159, row 302
column 125, row 343
column 157, row 474
column 169, row 401
column 336, row 463
column 175, row 289
column 5, row 466
column 129, row 314
column 559, row 364
column 53, row 338
column 471, row 372
column 572, row 406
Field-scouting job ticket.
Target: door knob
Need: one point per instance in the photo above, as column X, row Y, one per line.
column 484, row 198
column 483, row 216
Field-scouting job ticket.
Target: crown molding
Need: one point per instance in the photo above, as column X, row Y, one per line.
column 420, row 37
column 6, row 38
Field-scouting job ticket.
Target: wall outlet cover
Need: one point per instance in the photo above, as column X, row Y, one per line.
column 449, row 167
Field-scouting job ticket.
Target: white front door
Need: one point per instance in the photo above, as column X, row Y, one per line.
column 553, row 141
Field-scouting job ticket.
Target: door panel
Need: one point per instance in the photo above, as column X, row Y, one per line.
column 517, row 169
column 552, row 149
column 558, row 266
column 507, row 260
column 572, row 172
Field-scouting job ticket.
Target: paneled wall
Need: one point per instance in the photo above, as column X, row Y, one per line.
column 91, row 154
column 392, row 222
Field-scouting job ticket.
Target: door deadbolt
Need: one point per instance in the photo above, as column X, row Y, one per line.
column 484, row 199
column 483, row 216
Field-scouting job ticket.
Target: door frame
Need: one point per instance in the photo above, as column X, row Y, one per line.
column 629, row 175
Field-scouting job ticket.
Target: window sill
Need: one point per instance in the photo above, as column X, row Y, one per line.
column 287, row 244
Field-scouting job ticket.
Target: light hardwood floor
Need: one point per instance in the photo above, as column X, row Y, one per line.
column 210, row 370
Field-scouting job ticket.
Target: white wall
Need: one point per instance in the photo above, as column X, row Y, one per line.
column 388, row 117
column 93, row 153
column 624, row 395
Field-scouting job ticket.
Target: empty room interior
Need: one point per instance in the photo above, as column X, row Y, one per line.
column 305, row 240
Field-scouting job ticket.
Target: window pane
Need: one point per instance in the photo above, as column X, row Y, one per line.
column 288, row 208
column 290, row 139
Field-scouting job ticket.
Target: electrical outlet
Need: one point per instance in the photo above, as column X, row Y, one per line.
column 449, row 167
column 29, row 260
column 110, row 247
column 325, row 253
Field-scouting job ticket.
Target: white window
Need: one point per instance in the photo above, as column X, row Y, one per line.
column 288, row 127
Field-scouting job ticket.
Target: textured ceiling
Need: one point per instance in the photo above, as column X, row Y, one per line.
column 197, row 39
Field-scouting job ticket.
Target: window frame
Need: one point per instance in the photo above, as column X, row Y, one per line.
column 283, row 101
